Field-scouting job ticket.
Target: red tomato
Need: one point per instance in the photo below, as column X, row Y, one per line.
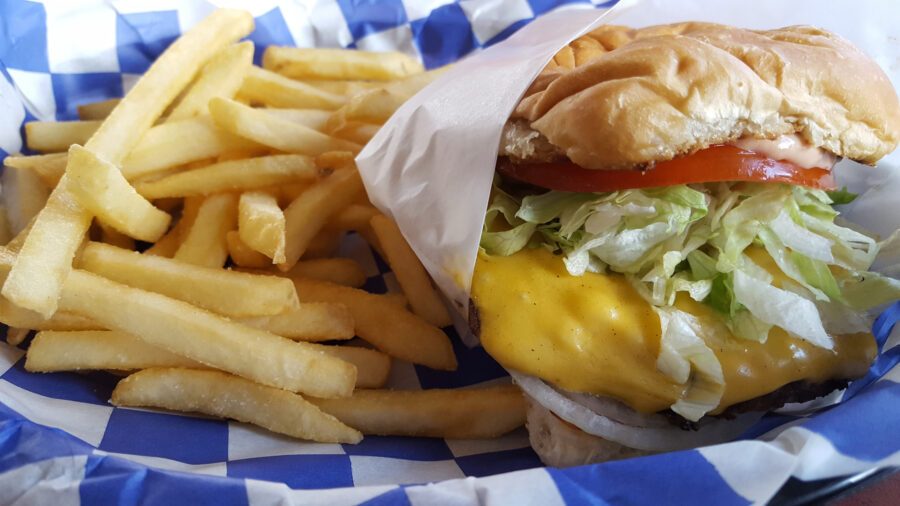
column 718, row 163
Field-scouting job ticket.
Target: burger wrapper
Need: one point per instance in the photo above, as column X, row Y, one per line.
column 60, row 441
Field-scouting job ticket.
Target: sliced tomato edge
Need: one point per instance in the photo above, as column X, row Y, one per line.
column 704, row 166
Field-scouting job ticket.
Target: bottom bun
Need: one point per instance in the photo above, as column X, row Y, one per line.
column 561, row 444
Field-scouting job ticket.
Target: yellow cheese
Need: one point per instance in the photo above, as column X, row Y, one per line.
column 595, row 334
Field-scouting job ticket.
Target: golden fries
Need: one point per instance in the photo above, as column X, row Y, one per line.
column 207, row 338
column 212, row 289
column 204, row 243
column 261, row 224
column 16, row 335
column 310, row 321
column 49, row 167
column 52, row 351
column 242, row 255
column 56, row 136
column 372, row 367
column 24, row 195
column 14, row 316
column 219, row 394
column 266, row 129
column 164, row 146
column 387, row 326
column 101, row 188
column 468, row 413
column 97, row 110
column 300, row 63
column 36, row 279
column 309, row 212
column 423, row 297
column 221, row 77
column 313, row 118
column 233, row 175
column 275, row 90
column 340, row 271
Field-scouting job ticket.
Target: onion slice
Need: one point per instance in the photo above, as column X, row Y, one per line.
column 654, row 438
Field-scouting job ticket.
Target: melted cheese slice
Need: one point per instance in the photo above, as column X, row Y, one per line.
column 595, row 334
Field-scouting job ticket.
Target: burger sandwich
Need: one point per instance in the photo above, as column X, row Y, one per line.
column 661, row 261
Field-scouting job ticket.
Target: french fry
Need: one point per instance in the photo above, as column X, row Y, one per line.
column 221, row 77
column 344, row 87
column 281, row 134
column 115, row 238
column 15, row 244
column 212, row 289
column 14, row 316
column 16, row 335
column 37, row 277
column 423, row 297
column 412, row 84
column 6, row 233
column 49, row 167
column 309, row 212
column 204, row 243
column 53, row 351
column 97, row 110
column 261, row 224
column 357, row 217
column 168, row 244
column 340, row 271
column 373, row 367
column 206, row 337
column 356, row 131
column 242, row 255
column 56, row 136
column 275, row 90
column 466, row 413
column 164, row 146
column 101, row 188
column 169, row 74
column 310, row 321
column 385, row 325
column 373, row 106
column 219, row 394
column 299, row 63
column 24, row 195
column 243, row 174
column 312, row 118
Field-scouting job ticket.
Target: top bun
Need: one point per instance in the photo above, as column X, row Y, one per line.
column 621, row 98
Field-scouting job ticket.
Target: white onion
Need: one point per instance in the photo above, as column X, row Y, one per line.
column 655, row 439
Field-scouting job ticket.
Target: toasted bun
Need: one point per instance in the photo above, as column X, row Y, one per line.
column 619, row 98
column 560, row 444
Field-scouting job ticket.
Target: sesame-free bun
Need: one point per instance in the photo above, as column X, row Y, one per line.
column 619, row 98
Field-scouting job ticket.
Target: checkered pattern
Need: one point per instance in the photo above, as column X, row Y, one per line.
column 61, row 442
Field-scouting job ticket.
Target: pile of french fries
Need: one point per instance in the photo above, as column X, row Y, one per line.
column 183, row 237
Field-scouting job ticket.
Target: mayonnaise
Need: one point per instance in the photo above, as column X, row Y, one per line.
column 791, row 148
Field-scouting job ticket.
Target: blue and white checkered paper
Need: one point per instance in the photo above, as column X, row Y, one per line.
column 61, row 442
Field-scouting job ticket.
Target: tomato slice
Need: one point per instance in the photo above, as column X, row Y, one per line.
column 717, row 163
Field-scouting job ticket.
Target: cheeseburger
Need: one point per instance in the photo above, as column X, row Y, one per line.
column 661, row 261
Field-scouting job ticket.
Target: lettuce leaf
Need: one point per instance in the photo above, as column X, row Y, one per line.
column 812, row 278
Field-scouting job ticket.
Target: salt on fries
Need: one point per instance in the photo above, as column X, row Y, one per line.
column 183, row 235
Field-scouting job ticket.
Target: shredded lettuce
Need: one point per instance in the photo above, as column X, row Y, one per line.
column 697, row 239
column 685, row 357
